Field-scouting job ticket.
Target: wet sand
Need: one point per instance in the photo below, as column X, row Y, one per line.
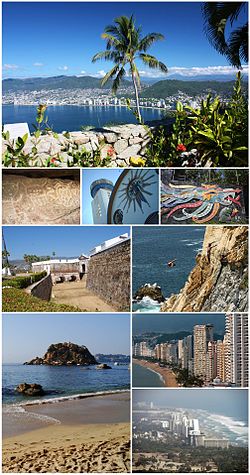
column 87, row 435
column 75, row 293
column 166, row 373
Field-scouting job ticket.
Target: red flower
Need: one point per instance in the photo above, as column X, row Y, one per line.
column 181, row 148
column 110, row 151
column 53, row 160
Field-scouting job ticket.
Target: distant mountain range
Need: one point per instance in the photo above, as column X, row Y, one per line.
column 157, row 89
column 55, row 82
column 157, row 338
column 170, row 87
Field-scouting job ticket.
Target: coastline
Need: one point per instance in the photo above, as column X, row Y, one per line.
column 79, row 435
column 166, row 375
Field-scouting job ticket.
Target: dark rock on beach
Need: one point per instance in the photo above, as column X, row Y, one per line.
column 103, row 366
column 61, row 354
column 30, row 389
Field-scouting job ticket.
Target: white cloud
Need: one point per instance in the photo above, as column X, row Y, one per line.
column 8, row 67
column 63, row 68
column 101, row 73
column 38, row 65
column 194, row 71
column 83, row 72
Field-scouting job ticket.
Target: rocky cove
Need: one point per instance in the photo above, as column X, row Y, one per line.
column 219, row 280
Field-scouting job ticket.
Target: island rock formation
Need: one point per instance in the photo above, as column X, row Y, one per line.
column 218, row 282
column 60, row 354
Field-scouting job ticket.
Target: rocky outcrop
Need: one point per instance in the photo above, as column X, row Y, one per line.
column 153, row 291
column 218, row 281
column 30, row 389
column 119, row 142
column 60, row 354
column 103, row 366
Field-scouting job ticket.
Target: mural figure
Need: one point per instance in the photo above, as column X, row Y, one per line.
column 200, row 204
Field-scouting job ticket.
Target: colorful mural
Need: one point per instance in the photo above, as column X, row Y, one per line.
column 201, row 204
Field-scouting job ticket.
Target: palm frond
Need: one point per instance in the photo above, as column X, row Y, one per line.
column 153, row 62
column 148, row 40
column 238, row 46
column 107, row 56
column 117, row 80
column 110, row 74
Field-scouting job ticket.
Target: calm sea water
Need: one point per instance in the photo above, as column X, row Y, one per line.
column 71, row 118
column 63, row 381
column 153, row 247
column 143, row 377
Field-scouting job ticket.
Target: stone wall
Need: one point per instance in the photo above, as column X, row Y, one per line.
column 109, row 275
column 41, row 289
column 219, row 280
column 121, row 142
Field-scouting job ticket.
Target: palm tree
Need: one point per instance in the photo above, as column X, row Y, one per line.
column 124, row 45
column 217, row 17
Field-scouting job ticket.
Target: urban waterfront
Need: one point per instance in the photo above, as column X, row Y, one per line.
column 72, row 118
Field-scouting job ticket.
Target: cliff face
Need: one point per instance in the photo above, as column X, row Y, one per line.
column 64, row 354
column 218, row 281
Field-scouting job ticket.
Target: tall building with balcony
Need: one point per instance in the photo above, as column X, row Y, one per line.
column 236, row 349
column 202, row 335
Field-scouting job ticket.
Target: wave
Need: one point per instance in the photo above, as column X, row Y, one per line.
column 17, row 411
column 233, row 425
column 146, row 304
column 71, row 397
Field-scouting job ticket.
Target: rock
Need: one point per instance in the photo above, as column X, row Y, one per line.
column 107, row 150
column 80, row 139
column 110, row 137
column 103, row 366
column 120, row 146
column 64, row 354
column 135, row 140
column 30, row 389
column 153, row 291
column 218, row 282
column 130, row 151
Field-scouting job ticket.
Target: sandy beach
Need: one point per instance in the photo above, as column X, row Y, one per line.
column 87, row 435
column 167, row 375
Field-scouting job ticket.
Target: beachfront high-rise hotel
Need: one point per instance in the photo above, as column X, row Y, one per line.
column 202, row 335
column 236, row 349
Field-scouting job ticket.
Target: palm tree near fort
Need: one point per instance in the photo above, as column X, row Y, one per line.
column 217, row 17
column 124, row 45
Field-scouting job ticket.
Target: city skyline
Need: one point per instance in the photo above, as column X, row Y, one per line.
column 185, row 49
column 100, row 333
column 201, row 357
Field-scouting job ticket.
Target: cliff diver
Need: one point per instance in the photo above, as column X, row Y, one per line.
column 171, row 263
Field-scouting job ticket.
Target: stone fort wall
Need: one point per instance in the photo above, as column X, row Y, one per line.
column 41, row 289
column 109, row 275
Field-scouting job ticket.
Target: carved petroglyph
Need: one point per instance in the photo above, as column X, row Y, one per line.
column 40, row 200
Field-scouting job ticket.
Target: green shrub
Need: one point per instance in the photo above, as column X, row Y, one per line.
column 16, row 300
column 21, row 282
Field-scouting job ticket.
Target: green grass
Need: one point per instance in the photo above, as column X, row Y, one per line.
column 16, row 300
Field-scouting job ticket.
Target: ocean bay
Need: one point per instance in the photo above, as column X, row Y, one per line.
column 72, row 118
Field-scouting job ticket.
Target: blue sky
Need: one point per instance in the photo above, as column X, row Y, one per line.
column 100, row 333
column 65, row 241
column 52, row 38
column 176, row 322
column 88, row 176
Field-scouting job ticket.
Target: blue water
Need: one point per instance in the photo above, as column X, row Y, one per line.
column 71, row 118
column 63, row 381
column 153, row 247
column 143, row 377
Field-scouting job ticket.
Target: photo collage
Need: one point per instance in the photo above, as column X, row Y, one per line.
column 125, row 214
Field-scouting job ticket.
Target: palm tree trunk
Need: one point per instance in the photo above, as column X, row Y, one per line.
column 136, row 97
